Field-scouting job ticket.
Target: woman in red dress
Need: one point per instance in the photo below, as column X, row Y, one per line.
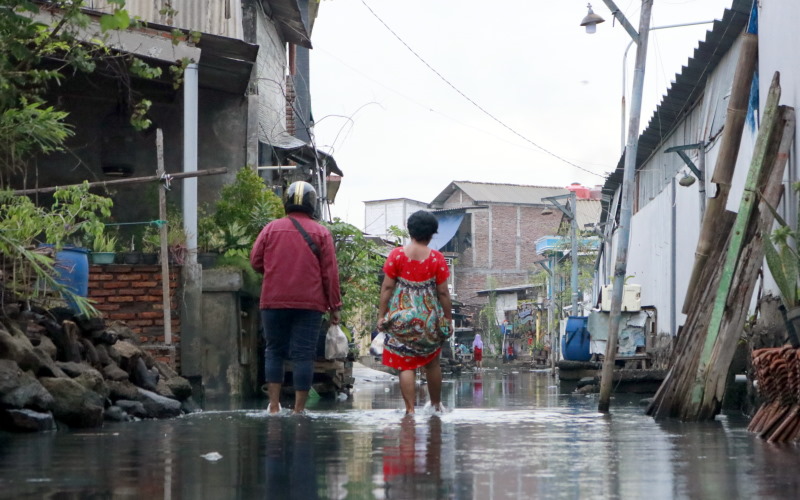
column 415, row 310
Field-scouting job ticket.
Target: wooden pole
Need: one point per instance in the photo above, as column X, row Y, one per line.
column 162, row 214
column 711, row 232
column 132, row 180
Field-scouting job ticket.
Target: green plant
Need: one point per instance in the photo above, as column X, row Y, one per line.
column 359, row 267
column 75, row 215
column 248, row 202
column 104, row 243
column 783, row 260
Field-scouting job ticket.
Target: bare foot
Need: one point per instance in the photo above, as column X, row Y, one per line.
column 274, row 409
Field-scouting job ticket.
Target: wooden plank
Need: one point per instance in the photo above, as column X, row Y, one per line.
column 765, row 135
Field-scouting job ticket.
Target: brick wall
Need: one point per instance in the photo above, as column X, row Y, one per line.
column 133, row 295
column 503, row 246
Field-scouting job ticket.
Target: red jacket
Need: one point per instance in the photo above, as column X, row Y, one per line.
column 294, row 278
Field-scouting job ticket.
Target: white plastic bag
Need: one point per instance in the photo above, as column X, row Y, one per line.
column 376, row 348
column 335, row 343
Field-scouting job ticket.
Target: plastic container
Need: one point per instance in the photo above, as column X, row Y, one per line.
column 72, row 271
column 575, row 342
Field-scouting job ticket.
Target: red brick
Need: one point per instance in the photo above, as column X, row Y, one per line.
column 129, row 277
column 135, row 292
column 107, row 307
column 99, row 292
column 140, row 322
column 123, row 316
column 151, row 314
column 144, row 284
column 121, row 299
column 114, row 285
column 100, row 277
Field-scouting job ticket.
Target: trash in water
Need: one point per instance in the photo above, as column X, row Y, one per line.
column 212, row 456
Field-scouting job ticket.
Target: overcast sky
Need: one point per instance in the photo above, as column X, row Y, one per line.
column 398, row 130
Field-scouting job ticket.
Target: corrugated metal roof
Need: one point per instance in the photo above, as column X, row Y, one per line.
column 588, row 212
column 515, row 194
column 685, row 91
column 217, row 17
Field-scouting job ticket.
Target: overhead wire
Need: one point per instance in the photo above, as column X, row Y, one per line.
column 471, row 101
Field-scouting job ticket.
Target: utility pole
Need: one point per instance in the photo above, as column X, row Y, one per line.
column 626, row 212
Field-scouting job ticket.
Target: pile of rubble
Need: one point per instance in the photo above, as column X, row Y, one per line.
column 59, row 369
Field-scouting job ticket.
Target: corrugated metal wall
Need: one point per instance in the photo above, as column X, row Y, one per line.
column 217, row 17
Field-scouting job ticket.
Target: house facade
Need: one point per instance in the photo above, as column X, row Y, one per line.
column 667, row 213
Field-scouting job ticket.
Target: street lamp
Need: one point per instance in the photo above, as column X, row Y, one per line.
column 591, row 21
column 624, row 228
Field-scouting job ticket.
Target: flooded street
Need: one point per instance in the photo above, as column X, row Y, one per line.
column 505, row 435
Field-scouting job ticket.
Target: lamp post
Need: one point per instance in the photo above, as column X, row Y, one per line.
column 624, row 228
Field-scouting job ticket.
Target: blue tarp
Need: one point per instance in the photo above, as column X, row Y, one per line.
column 448, row 226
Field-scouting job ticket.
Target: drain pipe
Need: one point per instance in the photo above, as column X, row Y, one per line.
column 190, row 91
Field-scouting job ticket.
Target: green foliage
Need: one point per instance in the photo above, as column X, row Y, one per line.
column 28, row 127
column 487, row 319
column 397, row 234
column 783, row 260
column 76, row 215
column 244, row 208
column 359, row 268
column 104, row 243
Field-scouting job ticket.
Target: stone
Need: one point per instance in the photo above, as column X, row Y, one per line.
column 120, row 330
column 114, row 372
column 122, row 389
column 165, row 370
column 126, row 350
column 91, row 326
column 90, row 353
column 67, row 350
column 22, row 390
column 75, row 405
column 116, row 414
column 163, row 389
column 16, row 347
column 27, row 420
column 132, row 408
column 143, row 377
column 47, row 347
column 158, row 406
column 93, row 380
column 102, row 355
column 73, row 369
column 48, row 367
column 189, row 405
column 180, row 387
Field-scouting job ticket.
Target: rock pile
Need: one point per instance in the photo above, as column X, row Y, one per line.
column 59, row 369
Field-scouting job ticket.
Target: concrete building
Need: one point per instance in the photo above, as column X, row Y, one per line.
column 380, row 215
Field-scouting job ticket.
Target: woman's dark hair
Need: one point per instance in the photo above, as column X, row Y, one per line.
column 422, row 226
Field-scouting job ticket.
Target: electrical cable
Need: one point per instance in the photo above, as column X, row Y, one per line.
column 471, row 101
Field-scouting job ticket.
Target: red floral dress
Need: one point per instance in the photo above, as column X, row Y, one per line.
column 415, row 324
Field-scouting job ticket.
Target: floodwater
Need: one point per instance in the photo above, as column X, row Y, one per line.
column 505, row 435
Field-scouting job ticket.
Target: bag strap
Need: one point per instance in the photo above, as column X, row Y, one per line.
column 311, row 244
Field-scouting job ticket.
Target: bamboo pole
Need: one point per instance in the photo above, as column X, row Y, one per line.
column 162, row 214
column 711, row 232
column 122, row 182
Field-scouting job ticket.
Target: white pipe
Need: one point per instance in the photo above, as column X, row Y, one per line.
column 190, row 91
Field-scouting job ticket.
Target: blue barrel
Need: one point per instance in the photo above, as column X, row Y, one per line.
column 575, row 342
column 72, row 271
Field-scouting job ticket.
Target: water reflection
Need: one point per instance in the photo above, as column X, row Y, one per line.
column 508, row 435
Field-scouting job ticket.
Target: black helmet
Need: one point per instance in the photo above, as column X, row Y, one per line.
column 301, row 197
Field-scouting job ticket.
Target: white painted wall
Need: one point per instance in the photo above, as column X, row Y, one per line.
column 380, row 215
